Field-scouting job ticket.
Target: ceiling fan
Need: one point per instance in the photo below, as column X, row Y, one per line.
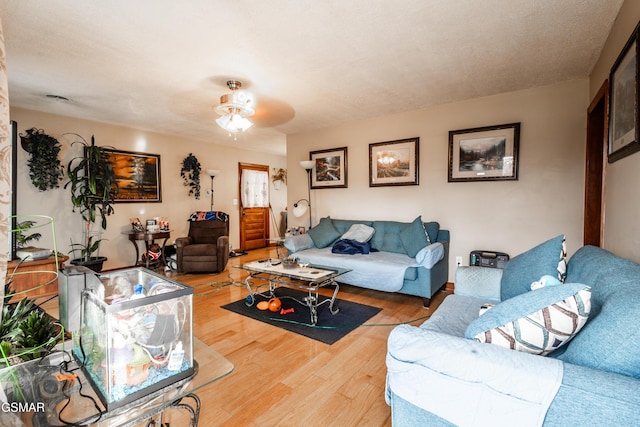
column 234, row 109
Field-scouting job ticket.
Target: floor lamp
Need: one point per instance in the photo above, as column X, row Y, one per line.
column 298, row 209
column 212, row 173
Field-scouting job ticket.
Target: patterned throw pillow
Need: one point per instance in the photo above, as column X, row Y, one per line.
column 537, row 322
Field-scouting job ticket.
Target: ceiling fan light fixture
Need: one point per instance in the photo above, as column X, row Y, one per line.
column 234, row 108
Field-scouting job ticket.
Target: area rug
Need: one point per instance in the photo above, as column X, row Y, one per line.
column 329, row 328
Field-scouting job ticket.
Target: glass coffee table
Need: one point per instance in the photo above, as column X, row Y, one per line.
column 309, row 278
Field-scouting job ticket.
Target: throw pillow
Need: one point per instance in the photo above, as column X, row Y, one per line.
column 359, row 232
column 521, row 271
column 432, row 229
column 324, row 234
column 413, row 237
column 298, row 243
column 537, row 322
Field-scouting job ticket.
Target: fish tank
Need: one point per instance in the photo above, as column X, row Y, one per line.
column 135, row 335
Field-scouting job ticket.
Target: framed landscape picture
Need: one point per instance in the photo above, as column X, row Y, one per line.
column 484, row 154
column 329, row 169
column 137, row 175
column 624, row 97
column 394, row 162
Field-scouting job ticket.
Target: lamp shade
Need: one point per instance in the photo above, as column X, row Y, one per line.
column 300, row 209
column 307, row 164
column 213, row 172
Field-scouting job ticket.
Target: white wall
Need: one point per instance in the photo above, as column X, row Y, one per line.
column 622, row 194
column 509, row 216
column 176, row 204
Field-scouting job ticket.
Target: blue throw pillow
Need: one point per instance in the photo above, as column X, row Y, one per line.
column 413, row 237
column 324, row 234
column 547, row 258
column 537, row 322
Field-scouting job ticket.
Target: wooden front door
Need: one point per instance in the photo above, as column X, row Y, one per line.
column 254, row 206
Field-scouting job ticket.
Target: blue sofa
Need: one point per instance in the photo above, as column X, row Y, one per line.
column 437, row 377
column 410, row 258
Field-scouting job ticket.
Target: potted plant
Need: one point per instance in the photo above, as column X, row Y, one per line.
column 93, row 188
column 190, row 173
column 279, row 177
column 44, row 165
column 26, row 331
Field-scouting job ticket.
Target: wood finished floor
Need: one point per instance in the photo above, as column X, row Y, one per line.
column 284, row 379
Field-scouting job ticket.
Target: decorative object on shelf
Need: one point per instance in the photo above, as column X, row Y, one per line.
column 484, row 154
column 394, row 163
column 190, row 173
column 212, row 173
column 279, row 177
column 45, row 169
column 137, row 176
column 329, row 168
column 136, row 225
column 93, row 189
column 624, row 92
column 234, row 109
column 300, row 209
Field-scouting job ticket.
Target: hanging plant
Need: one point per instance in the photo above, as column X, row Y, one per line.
column 279, row 174
column 190, row 173
column 45, row 169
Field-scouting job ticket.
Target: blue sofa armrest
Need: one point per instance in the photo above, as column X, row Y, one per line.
column 479, row 282
column 431, row 369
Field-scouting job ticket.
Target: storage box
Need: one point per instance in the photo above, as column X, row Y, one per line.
column 136, row 335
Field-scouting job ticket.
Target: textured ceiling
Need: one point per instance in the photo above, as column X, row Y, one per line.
column 162, row 65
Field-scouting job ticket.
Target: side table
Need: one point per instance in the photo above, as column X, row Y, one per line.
column 148, row 239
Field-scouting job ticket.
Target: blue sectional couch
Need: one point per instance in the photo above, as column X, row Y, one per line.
column 410, row 258
column 440, row 375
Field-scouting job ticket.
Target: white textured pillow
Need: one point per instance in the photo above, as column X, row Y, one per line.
column 359, row 232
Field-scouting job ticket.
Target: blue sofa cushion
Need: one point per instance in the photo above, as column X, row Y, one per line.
column 325, row 233
column 387, row 236
column 414, row 237
column 536, row 322
column 342, row 225
column 531, row 265
column 611, row 341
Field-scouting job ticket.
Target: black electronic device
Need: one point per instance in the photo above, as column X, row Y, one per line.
column 489, row 259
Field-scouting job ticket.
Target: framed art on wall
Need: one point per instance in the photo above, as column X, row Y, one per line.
column 623, row 102
column 137, row 176
column 394, row 163
column 329, row 169
column 484, row 154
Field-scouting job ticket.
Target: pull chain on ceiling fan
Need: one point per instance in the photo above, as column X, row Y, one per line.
column 234, row 109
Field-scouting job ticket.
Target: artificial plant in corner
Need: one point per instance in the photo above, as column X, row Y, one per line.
column 93, row 188
column 190, row 173
column 45, row 170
